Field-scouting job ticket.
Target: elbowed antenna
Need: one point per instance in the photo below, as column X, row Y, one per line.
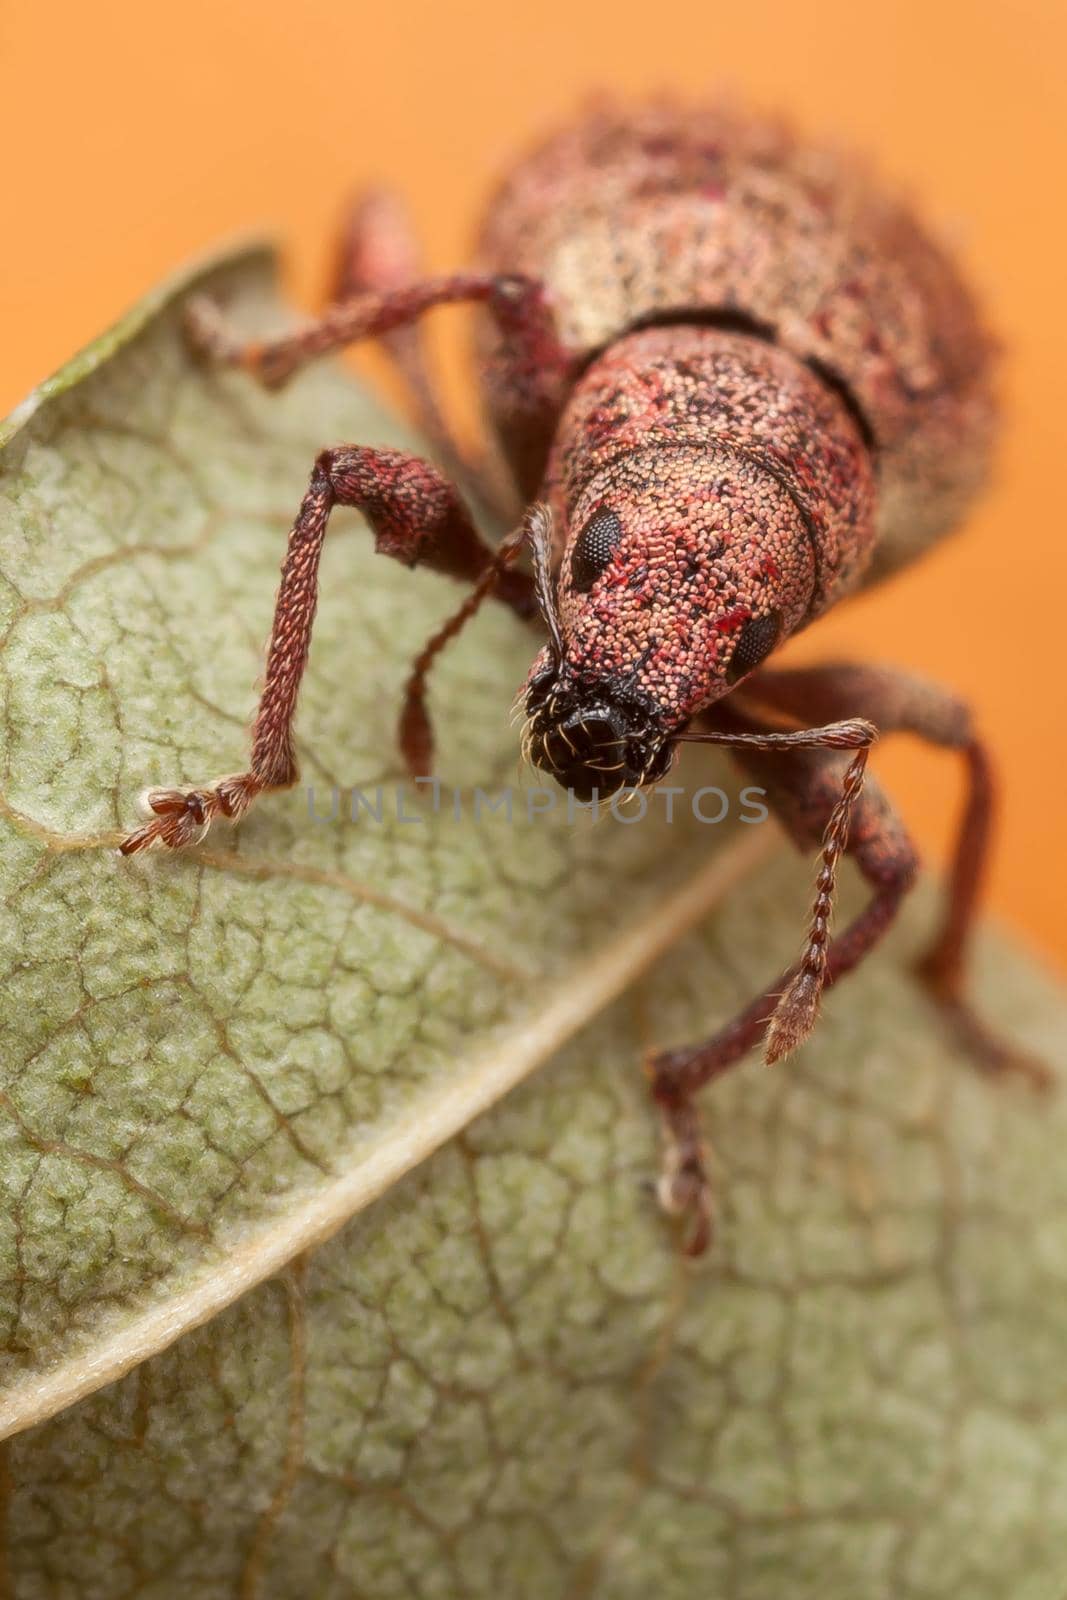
column 794, row 1015
column 535, row 529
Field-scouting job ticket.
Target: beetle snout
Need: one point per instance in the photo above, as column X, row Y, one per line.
column 590, row 752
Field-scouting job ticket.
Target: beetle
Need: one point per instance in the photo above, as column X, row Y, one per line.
column 732, row 382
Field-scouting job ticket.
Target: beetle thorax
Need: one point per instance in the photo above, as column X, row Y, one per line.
column 712, row 496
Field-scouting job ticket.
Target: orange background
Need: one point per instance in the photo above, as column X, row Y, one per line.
column 136, row 136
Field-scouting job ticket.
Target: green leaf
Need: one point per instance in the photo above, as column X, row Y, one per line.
column 497, row 1377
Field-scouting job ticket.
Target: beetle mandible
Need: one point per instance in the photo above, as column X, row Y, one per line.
column 732, row 382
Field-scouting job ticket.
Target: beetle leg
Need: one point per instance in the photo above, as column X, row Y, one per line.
column 539, row 367
column 377, row 252
column 902, row 703
column 804, row 789
column 416, row 516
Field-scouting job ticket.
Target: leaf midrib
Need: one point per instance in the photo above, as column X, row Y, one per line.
column 502, row 1062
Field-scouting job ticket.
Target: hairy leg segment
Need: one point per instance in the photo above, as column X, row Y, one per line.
column 417, row 518
column 539, row 365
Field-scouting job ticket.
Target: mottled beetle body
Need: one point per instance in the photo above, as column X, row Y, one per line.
column 744, row 488
column 737, row 383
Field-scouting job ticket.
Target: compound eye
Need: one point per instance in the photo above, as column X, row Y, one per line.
column 593, row 549
column 754, row 644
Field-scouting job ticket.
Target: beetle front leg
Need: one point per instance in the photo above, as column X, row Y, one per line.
column 806, row 799
column 417, row 517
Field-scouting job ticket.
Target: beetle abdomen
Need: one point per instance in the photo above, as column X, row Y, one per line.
column 664, row 214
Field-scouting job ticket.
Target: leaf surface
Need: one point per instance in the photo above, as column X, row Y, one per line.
column 497, row 1378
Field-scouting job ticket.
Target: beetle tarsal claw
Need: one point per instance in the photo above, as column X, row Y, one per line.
column 683, row 1188
column 181, row 817
column 207, row 331
column 684, row 1191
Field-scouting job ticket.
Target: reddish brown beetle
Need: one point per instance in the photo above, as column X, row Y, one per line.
column 732, row 382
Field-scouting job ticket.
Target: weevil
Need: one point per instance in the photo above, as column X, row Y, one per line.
column 731, row 382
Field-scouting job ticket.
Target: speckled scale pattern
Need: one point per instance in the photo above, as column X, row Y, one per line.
column 743, row 489
column 663, row 211
column 666, row 389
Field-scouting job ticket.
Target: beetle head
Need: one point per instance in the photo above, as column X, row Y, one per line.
column 680, row 571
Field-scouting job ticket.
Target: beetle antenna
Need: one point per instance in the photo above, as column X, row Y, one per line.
column 415, row 732
column 854, row 733
column 794, row 1015
column 537, row 526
